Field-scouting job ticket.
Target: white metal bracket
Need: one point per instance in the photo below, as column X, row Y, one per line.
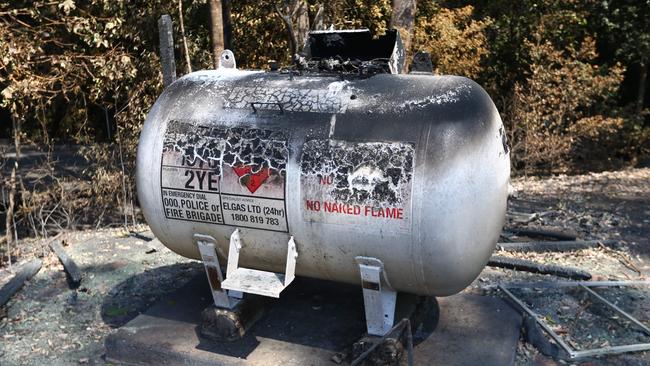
column 379, row 298
column 252, row 281
column 227, row 60
column 207, row 248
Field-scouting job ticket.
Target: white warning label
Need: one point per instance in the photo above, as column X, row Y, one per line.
column 226, row 176
column 357, row 183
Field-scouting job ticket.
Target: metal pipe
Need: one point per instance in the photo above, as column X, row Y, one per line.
column 574, row 354
column 612, row 350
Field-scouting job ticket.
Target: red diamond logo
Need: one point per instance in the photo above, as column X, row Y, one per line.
column 252, row 181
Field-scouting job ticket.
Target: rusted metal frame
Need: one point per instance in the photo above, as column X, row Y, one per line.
column 544, row 326
column 612, row 350
column 617, row 309
column 402, row 325
column 207, row 248
column 575, row 354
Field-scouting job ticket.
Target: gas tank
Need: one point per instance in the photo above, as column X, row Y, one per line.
column 409, row 169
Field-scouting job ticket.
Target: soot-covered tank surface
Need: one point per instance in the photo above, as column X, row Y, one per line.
column 360, row 173
column 411, row 170
column 293, row 99
column 260, row 149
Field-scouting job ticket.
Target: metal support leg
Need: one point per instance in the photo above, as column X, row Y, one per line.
column 378, row 296
column 290, row 270
column 207, row 248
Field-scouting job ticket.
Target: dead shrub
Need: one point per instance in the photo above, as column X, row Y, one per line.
column 557, row 109
column 456, row 42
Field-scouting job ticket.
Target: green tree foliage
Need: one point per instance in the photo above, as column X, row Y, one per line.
column 555, row 69
column 626, row 24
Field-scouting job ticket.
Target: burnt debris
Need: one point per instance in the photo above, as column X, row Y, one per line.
column 353, row 52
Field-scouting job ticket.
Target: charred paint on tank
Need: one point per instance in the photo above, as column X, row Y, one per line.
column 447, row 213
column 236, row 146
column 447, row 97
column 361, row 173
column 224, row 175
column 195, row 143
column 330, row 100
column 504, row 140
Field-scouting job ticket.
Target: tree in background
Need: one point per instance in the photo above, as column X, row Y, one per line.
column 403, row 19
column 625, row 26
column 216, row 30
column 87, row 72
column 351, row 14
column 560, row 110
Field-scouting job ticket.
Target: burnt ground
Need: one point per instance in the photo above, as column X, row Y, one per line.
column 48, row 323
column 607, row 206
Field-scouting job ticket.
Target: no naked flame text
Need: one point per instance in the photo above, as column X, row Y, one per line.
column 396, row 213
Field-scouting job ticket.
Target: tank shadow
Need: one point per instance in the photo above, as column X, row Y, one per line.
column 310, row 314
column 136, row 294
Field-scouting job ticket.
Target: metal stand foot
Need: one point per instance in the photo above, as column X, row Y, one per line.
column 378, row 296
column 207, row 248
column 252, row 281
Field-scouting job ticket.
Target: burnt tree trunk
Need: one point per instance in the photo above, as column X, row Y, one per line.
column 10, row 214
column 295, row 17
column 167, row 60
column 188, row 64
column 216, row 18
column 319, row 18
column 403, row 19
column 640, row 94
column 227, row 24
column 302, row 23
column 10, row 220
column 25, row 273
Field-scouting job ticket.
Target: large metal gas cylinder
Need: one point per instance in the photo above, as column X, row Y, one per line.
column 411, row 169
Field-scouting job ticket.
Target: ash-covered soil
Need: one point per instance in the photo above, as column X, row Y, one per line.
column 47, row 323
column 596, row 206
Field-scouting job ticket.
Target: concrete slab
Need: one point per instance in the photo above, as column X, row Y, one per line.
column 312, row 321
column 472, row 330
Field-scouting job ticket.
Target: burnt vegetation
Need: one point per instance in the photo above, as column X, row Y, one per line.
column 77, row 78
